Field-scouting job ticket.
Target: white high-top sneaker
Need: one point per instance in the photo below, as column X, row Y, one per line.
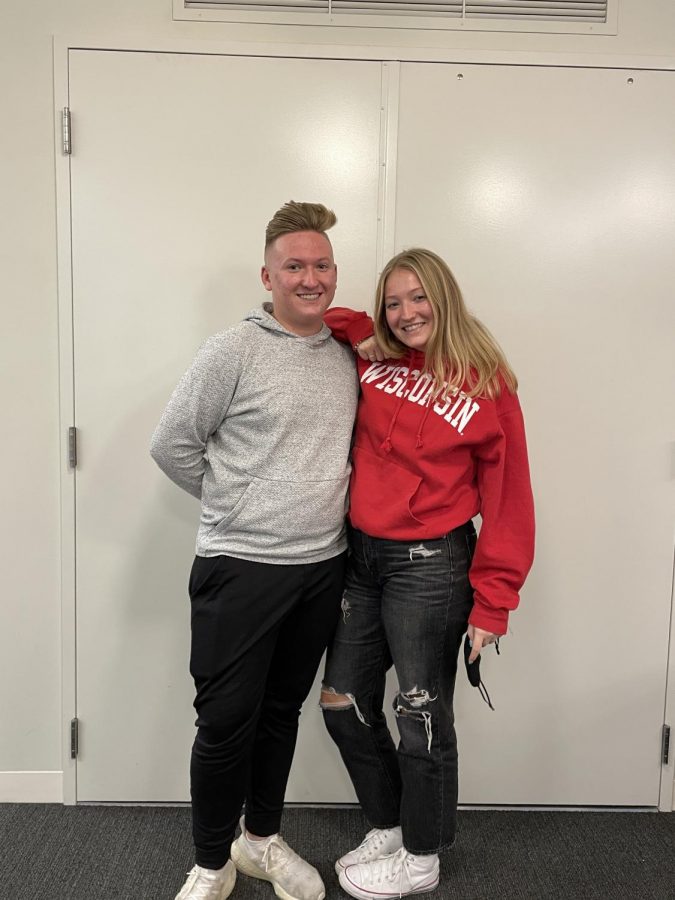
column 396, row 875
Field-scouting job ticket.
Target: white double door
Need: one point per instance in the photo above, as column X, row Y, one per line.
column 179, row 160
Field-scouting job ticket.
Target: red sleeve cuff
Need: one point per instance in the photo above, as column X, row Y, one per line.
column 360, row 329
column 496, row 621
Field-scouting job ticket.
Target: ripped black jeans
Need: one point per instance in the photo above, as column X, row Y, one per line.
column 406, row 603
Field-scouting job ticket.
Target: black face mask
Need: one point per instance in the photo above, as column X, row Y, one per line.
column 473, row 671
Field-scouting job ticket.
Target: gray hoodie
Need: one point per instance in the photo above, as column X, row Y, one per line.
column 259, row 428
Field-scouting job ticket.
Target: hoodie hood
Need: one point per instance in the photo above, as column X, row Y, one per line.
column 263, row 317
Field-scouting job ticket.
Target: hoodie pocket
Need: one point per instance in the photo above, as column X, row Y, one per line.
column 234, row 511
column 288, row 516
column 381, row 495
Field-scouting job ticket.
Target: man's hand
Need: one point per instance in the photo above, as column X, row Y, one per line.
column 479, row 639
column 370, row 350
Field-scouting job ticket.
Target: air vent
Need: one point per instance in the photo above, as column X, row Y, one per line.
column 494, row 15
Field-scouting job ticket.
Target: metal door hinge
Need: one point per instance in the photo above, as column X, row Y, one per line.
column 72, row 447
column 665, row 745
column 65, row 127
column 74, row 738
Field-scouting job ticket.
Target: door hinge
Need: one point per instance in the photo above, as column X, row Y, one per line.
column 665, row 745
column 72, row 447
column 65, row 127
column 74, row 738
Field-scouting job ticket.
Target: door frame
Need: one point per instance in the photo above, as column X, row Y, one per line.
column 392, row 57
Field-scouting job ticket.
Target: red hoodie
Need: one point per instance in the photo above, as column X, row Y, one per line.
column 423, row 467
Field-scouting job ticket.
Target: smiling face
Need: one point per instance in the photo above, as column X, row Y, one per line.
column 300, row 273
column 409, row 314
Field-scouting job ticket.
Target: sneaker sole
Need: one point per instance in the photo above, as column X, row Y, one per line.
column 340, row 867
column 247, row 867
column 362, row 894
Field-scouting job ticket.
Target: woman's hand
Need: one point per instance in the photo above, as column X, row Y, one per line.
column 369, row 349
column 479, row 639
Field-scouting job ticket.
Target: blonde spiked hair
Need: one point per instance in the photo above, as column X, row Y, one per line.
column 461, row 351
column 299, row 217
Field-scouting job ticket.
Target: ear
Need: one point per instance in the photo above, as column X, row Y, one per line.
column 265, row 278
column 336, row 273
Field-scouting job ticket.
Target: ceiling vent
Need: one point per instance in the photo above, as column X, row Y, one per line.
column 571, row 16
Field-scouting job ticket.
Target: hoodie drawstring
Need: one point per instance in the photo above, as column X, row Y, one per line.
column 430, row 399
column 386, row 444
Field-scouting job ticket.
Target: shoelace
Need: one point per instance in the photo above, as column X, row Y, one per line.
column 387, row 868
column 200, row 891
column 371, row 843
column 282, row 856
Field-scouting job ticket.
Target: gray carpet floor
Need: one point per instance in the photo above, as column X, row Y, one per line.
column 142, row 853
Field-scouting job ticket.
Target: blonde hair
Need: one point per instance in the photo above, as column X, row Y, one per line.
column 299, row 217
column 461, row 351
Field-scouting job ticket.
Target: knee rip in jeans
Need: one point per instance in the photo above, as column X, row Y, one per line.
column 412, row 704
column 339, row 702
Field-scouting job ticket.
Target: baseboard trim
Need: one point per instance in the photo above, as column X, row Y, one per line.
column 31, row 787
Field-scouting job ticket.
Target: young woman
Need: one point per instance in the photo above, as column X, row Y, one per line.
column 439, row 439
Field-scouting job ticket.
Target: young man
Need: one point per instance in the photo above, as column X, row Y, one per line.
column 259, row 429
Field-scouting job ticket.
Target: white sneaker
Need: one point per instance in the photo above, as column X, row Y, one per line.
column 273, row 860
column 209, row 884
column 377, row 843
column 396, row 875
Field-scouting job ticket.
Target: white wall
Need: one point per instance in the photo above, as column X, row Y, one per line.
column 30, row 638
